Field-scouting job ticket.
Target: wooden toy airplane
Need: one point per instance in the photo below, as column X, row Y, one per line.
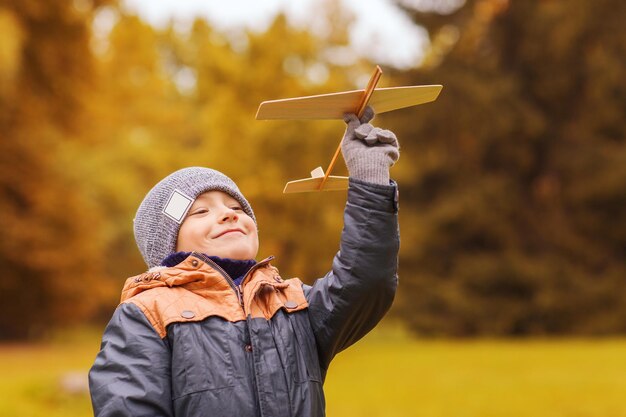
column 334, row 106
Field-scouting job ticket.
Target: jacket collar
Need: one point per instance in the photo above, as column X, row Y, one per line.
column 197, row 272
column 235, row 268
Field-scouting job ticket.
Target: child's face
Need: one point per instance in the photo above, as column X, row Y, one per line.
column 217, row 226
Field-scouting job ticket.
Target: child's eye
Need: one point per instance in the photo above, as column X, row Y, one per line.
column 236, row 208
column 199, row 211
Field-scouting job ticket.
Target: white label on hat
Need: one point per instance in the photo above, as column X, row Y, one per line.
column 177, row 206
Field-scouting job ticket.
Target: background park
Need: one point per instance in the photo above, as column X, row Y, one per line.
column 512, row 189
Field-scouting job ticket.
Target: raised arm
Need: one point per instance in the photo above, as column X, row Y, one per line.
column 352, row 298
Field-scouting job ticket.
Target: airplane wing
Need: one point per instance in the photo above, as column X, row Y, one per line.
column 333, row 106
column 333, row 183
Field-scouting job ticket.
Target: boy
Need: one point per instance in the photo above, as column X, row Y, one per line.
column 209, row 331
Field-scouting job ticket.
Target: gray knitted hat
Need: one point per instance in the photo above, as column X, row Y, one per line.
column 163, row 209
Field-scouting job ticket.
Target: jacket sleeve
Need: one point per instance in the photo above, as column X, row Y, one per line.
column 352, row 298
column 131, row 375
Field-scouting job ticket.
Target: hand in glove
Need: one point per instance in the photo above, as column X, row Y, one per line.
column 368, row 151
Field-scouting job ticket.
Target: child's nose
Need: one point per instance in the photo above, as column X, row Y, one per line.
column 229, row 215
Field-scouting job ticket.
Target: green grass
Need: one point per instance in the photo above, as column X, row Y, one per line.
column 31, row 376
column 387, row 374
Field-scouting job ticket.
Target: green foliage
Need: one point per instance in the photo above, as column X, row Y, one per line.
column 513, row 205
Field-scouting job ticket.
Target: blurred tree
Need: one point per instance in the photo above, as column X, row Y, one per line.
column 97, row 106
column 175, row 97
column 48, row 258
column 513, row 217
column 137, row 114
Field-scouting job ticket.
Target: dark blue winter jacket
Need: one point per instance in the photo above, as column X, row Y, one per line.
column 187, row 341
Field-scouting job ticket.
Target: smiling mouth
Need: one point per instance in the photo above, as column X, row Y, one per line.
column 226, row 232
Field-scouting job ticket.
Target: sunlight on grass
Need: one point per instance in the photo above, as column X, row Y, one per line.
column 387, row 374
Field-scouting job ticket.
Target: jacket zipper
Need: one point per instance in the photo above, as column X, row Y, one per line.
column 239, row 291
column 237, row 288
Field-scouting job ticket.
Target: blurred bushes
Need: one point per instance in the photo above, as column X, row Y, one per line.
column 49, row 249
column 514, row 217
column 512, row 183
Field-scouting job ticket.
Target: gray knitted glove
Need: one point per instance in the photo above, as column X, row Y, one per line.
column 368, row 151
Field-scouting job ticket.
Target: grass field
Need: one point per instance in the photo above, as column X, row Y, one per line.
column 387, row 374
